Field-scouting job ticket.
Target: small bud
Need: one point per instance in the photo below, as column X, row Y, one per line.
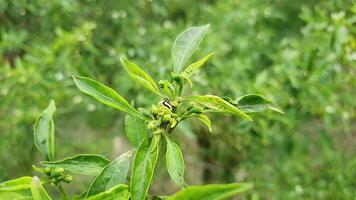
column 47, row 170
column 154, row 110
column 161, row 84
column 68, row 178
column 57, row 172
column 173, row 123
column 175, row 103
column 166, row 118
column 191, row 105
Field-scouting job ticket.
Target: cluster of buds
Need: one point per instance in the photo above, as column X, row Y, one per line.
column 164, row 116
column 57, row 175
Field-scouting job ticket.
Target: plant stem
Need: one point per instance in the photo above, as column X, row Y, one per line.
column 64, row 195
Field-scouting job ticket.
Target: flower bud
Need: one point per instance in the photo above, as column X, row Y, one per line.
column 57, row 172
column 161, row 84
column 67, row 178
column 47, row 170
column 166, row 118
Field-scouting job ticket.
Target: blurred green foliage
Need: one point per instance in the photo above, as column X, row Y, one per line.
column 300, row 54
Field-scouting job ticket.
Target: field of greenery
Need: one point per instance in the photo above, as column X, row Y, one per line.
column 299, row 54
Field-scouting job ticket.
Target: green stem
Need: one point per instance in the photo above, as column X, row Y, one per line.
column 64, row 195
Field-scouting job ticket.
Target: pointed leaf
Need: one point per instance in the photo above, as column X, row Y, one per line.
column 113, row 174
column 143, row 167
column 140, row 76
column 16, row 184
column 105, row 94
column 16, row 195
column 204, row 119
column 217, row 104
column 175, row 163
column 86, row 164
column 136, row 129
column 44, row 132
column 192, row 68
column 252, row 103
column 119, row 192
column 38, row 192
column 185, row 45
column 211, row 192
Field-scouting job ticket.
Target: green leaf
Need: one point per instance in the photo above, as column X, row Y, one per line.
column 113, row 174
column 119, row 192
column 143, row 167
column 175, row 163
column 44, row 132
column 217, row 104
column 105, row 94
column 16, row 184
column 252, row 103
column 204, row 119
column 16, row 195
column 38, row 192
column 140, row 76
column 136, row 129
column 211, row 192
column 185, row 45
column 192, row 68
column 86, row 164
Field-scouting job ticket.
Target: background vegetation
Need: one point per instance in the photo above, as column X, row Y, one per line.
column 300, row 54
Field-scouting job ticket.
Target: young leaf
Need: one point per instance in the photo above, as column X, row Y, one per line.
column 204, row 119
column 105, row 94
column 140, row 76
column 211, row 192
column 38, row 192
column 16, row 184
column 119, row 192
column 16, row 195
column 192, row 68
column 44, row 132
column 217, row 104
column 252, row 103
column 143, row 167
column 175, row 163
column 113, row 174
column 86, row 164
column 185, row 45
column 136, row 129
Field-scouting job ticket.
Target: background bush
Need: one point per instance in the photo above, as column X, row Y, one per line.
column 300, row 54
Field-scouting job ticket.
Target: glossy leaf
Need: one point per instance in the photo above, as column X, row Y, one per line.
column 136, row 129
column 185, row 45
column 16, row 195
column 175, row 163
column 143, row 167
column 204, row 119
column 140, row 76
column 38, row 192
column 44, row 132
column 113, row 174
column 192, row 68
column 119, row 192
column 211, row 192
column 217, row 104
column 86, row 164
column 105, row 94
column 16, row 184
column 252, row 103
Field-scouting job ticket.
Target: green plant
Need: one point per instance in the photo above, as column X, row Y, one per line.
column 149, row 131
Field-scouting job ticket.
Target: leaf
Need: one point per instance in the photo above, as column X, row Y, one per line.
column 38, row 192
column 210, row 192
column 16, row 184
column 105, row 94
column 140, row 76
column 113, row 174
column 136, row 129
column 86, row 164
column 119, row 192
column 192, row 68
column 16, row 195
column 204, row 119
column 175, row 163
column 252, row 103
column 218, row 104
column 143, row 167
column 185, row 45
column 44, row 132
